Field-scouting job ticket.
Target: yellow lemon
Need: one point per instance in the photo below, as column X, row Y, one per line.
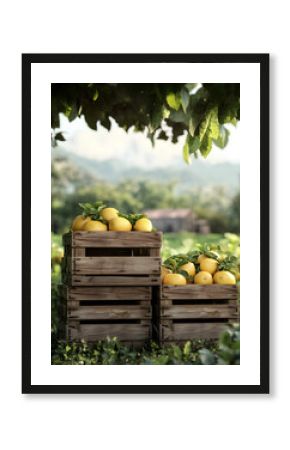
column 189, row 268
column 236, row 274
column 174, row 279
column 94, row 225
column 120, row 224
column 200, row 258
column 209, row 265
column 143, row 224
column 109, row 213
column 79, row 222
column 164, row 271
column 203, row 277
column 224, row 277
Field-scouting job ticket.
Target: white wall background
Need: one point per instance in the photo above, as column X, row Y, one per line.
column 130, row 422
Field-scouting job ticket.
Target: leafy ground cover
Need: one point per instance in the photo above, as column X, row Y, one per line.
column 111, row 351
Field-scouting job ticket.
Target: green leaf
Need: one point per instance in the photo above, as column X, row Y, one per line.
column 206, row 144
column 187, row 348
column 194, row 144
column 184, row 98
column 209, row 129
column 156, row 119
column 165, row 113
column 106, row 123
column 59, row 137
column 190, row 86
column 209, row 123
column 223, row 137
column 177, row 353
column 214, row 123
column 204, row 124
column 183, row 272
column 173, row 100
column 190, row 147
column 178, row 116
column 96, row 95
column 207, row 357
column 191, row 127
column 186, row 153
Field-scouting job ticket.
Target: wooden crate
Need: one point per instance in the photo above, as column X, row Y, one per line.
column 93, row 313
column 111, row 259
column 195, row 312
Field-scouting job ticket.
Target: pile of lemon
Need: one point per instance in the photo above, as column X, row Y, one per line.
column 200, row 267
column 99, row 217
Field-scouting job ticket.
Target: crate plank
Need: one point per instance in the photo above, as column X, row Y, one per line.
column 109, row 293
column 187, row 331
column 113, row 239
column 116, row 265
column 199, row 311
column 95, row 280
column 93, row 332
column 198, row 292
column 110, row 312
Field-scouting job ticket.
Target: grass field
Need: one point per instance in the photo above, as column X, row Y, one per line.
column 183, row 242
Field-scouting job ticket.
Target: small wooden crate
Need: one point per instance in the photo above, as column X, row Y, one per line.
column 111, row 259
column 111, row 281
column 94, row 313
column 195, row 312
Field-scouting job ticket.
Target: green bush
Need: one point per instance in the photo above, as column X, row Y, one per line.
column 111, row 351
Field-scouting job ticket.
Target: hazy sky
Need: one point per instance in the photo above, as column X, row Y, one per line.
column 118, row 144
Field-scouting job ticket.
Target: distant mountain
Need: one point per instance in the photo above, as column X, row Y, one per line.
column 199, row 173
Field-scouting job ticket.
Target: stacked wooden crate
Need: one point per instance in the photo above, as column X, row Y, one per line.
column 195, row 312
column 110, row 283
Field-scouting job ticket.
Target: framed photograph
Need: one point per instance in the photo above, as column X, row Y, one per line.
column 145, row 221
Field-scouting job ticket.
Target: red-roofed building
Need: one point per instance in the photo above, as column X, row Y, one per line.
column 174, row 220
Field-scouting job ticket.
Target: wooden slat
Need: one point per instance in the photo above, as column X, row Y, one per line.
column 199, row 311
column 109, row 293
column 95, row 280
column 78, row 251
column 110, row 312
column 113, row 239
column 127, row 265
column 198, row 292
column 93, row 332
column 188, row 331
column 155, row 251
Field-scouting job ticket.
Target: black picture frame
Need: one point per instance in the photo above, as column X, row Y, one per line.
column 27, row 61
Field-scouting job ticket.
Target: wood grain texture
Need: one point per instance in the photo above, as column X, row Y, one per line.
column 198, row 292
column 112, row 280
column 187, row 331
column 199, row 311
column 109, row 293
column 126, row 265
column 113, row 239
column 124, row 332
column 110, row 312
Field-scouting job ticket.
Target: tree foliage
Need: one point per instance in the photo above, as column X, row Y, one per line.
column 164, row 111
